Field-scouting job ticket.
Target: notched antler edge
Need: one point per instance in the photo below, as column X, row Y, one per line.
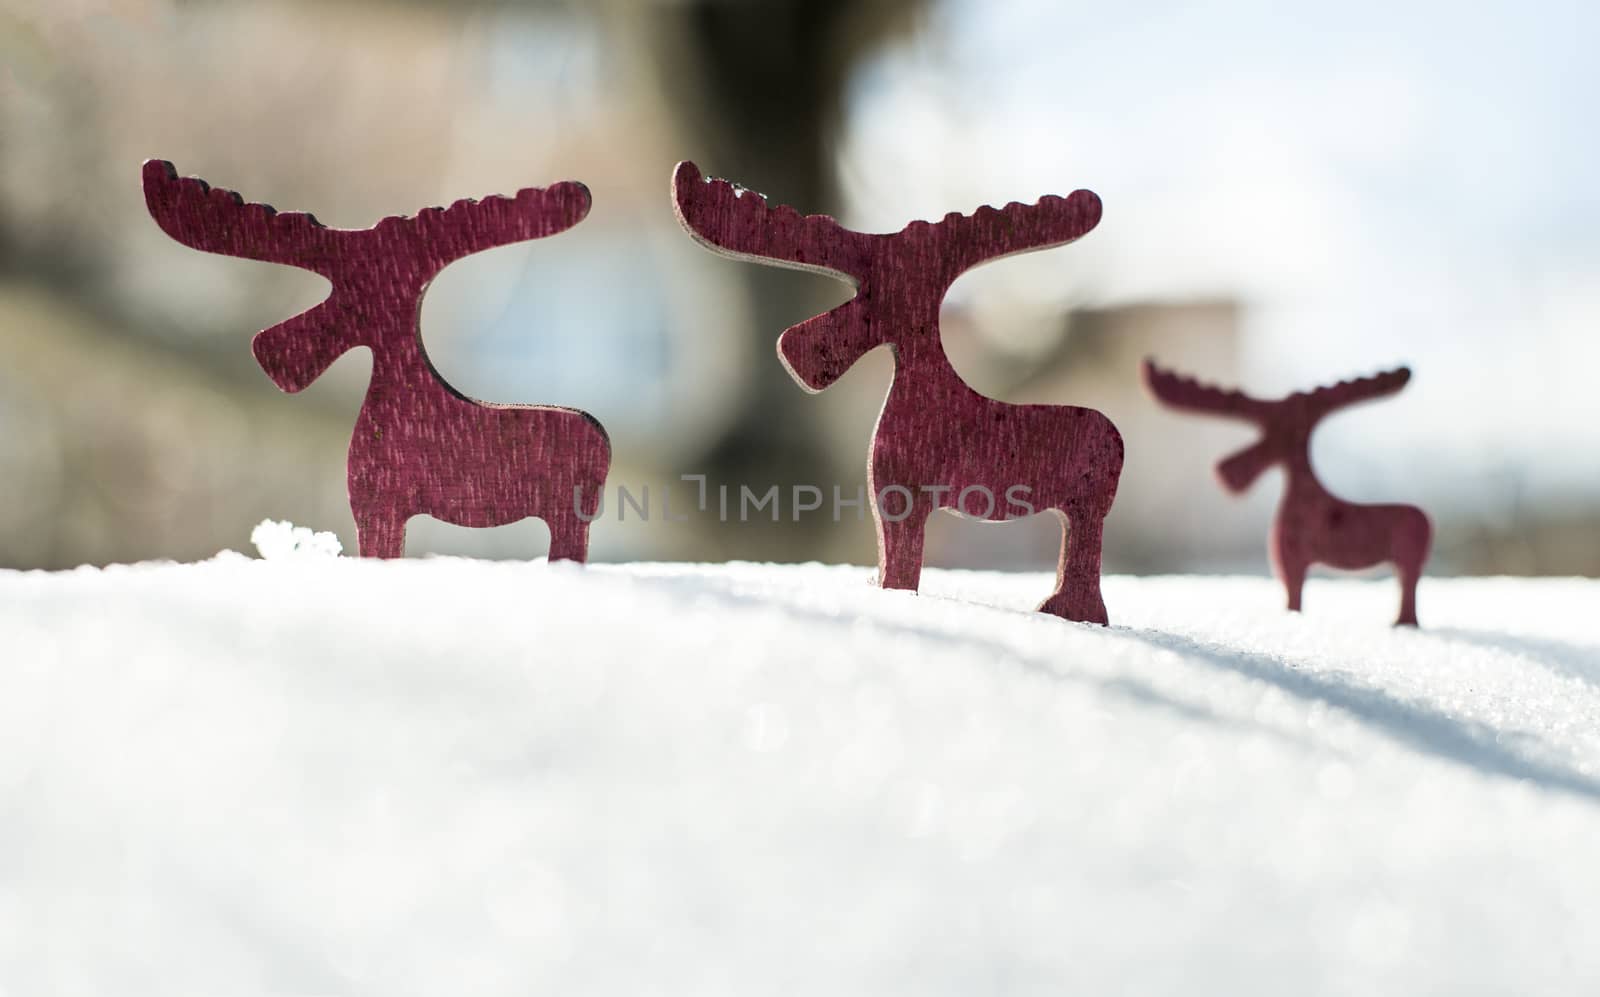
column 466, row 208
column 167, row 193
column 1082, row 200
column 1359, row 389
column 1086, row 201
column 723, row 191
column 161, row 177
column 1183, row 391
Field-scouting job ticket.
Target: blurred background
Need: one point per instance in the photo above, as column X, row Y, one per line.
column 1292, row 196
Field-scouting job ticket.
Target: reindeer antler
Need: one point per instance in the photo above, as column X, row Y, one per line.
column 992, row 233
column 1360, row 389
column 470, row 226
column 219, row 221
column 739, row 223
column 1177, row 391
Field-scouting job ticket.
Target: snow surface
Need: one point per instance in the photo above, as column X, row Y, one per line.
column 319, row 775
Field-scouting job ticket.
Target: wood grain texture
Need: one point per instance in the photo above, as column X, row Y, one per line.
column 420, row 446
column 1312, row 526
column 938, row 442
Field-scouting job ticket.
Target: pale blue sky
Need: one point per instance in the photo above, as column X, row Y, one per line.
column 1380, row 182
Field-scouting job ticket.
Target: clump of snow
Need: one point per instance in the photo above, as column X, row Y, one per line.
column 278, row 540
column 449, row 776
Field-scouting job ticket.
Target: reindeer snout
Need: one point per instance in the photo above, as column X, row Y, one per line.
column 271, row 359
column 806, row 364
column 296, row 352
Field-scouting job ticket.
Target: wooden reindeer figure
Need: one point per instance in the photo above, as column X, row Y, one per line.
column 1312, row 526
column 938, row 443
column 420, row 446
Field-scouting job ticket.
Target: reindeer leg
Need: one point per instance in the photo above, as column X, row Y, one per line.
column 1408, row 601
column 1288, row 564
column 569, row 536
column 1077, row 596
column 1410, row 572
column 900, row 545
column 1411, row 544
column 1293, row 574
column 381, row 533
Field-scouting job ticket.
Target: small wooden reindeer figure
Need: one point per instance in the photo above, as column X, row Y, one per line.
column 1312, row 526
column 420, row 446
column 938, row 443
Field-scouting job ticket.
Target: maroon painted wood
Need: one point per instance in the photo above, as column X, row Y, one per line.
column 420, row 446
column 938, row 443
column 1312, row 526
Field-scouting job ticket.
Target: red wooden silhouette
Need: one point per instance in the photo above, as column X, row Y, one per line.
column 938, row 443
column 420, row 446
column 1312, row 525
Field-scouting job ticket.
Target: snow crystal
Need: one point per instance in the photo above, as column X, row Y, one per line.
column 277, row 540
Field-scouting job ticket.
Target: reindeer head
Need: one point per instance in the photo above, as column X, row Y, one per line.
column 378, row 275
column 739, row 223
column 900, row 278
column 1285, row 424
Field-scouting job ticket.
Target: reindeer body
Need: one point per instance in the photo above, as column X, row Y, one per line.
column 942, row 444
column 940, row 439
column 1312, row 525
column 419, row 446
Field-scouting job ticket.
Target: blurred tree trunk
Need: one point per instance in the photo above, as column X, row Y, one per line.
column 758, row 90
